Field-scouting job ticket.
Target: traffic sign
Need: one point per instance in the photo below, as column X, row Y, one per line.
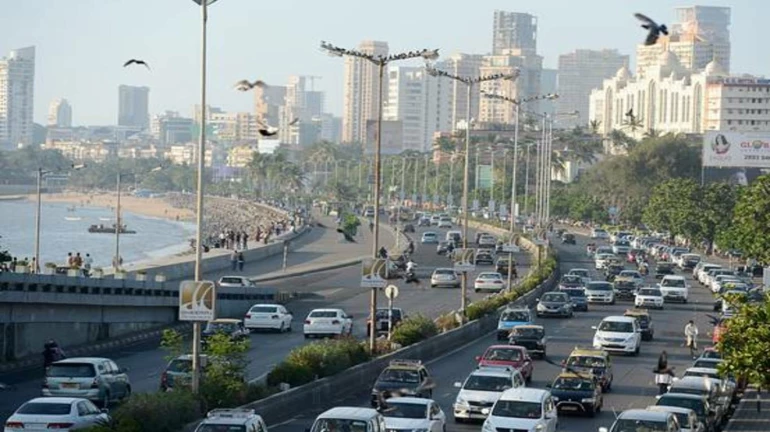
column 391, row 292
column 465, row 259
column 197, row 301
column 373, row 272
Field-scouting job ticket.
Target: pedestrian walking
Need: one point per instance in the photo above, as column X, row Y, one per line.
column 691, row 336
column 233, row 260
column 245, row 238
column 664, row 375
column 241, row 261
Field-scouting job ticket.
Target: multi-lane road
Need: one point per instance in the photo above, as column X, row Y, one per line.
column 338, row 288
column 633, row 385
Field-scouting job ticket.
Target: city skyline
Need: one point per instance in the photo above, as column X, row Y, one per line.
column 169, row 42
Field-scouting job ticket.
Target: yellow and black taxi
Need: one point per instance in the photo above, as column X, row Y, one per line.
column 402, row 378
column 591, row 360
column 577, row 392
column 645, row 322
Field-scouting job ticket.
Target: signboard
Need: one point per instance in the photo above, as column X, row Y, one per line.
column 373, row 273
column 491, row 206
column 197, row 301
column 736, row 150
column 391, row 292
column 484, row 177
column 475, row 205
column 464, row 259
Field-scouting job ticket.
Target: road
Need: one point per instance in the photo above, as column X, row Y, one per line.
column 338, row 288
column 633, row 385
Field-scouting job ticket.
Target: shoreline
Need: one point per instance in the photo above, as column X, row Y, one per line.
column 149, row 207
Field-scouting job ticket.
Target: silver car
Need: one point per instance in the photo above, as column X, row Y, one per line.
column 93, row 378
column 444, row 277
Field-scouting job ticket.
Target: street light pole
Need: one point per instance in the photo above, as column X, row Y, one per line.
column 38, row 215
column 118, row 223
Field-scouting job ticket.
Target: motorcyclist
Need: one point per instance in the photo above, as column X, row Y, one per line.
column 383, row 253
column 410, row 266
column 410, row 275
column 52, row 353
column 644, row 268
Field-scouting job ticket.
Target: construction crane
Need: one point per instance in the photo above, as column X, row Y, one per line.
column 312, row 79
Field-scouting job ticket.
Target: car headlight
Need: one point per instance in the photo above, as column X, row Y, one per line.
column 588, row 400
column 540, row 307
column 460, row 401
column 598, row 338
column 555, row 399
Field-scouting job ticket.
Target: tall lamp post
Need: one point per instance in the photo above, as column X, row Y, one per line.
column 469, row 82
column 381, row 61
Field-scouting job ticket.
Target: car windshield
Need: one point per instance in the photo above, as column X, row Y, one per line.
column 400, row 375
column 586, row 361
column 573, row 383
column 221, row 428
column 339, row 425
column 515, row 316
column 490, row 276
column 426, row 235
column 713, row 375
column 71, row 370
column 323, row 314
column 600, row 286
column 696, row 405
column 487, row 383
column 554, row 297
column 180, row 365
column 41, row 408
column 517, row 409
column 571, row 279
column 503, row 354
column 579, row 273
column 264, row 309
column 629, row 274
column 688, row 390
column 711, row 354
column 629, row 425
column 528, row 332
column 673, row 283
column 384, row 313
column 574, row 292
column 622, row 243
column 445, row 272
column 705, row 363
column 650, row 292
column 406, row 410
column 616, row 326
column 220, row 327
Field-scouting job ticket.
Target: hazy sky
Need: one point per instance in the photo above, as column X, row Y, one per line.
column 81, row 44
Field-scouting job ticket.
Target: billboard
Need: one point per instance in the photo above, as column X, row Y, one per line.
column 736, row 150
column 373, row 273
column 197, row 301
column 734, row 176
column 483, row 177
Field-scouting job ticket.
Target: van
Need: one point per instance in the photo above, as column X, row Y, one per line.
column 353, row 419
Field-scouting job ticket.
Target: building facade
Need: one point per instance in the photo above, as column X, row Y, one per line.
column 579, row 73
column 303, row 104
column 170, row 128
column 526, row 85
column 514, row 31
column 268, row 102
column 60, row 114
column 361, row 96
column 134, row 106
column 17, row 97
column 467, row 65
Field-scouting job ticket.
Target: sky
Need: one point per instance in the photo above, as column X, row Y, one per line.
column 82, row 44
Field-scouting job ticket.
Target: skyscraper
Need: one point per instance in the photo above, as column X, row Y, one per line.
column 580, row 72
column 17, row 89
column 361, row 97
column 303, row 104
column 134, row 106
column 514, row 30
column 60, row 114
column 530, row 66
column 460, row 65
column 268, row 102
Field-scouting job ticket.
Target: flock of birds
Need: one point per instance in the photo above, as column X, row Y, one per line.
column 654, row 30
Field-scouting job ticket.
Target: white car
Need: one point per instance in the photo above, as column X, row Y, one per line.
column 600, row 292
column 631, row 275
column 268, row 316
column 327, row 322
column 603, row 260
column 621, row 247
column 235, row 282
column 482, row 389
column 55, row 413
column 487, row 241
column 648, row 297
column 674, row 288
column 598, row 233
column 429, row 237
column 703, row 271
column 413, row 414
column 618, row 334
column 523, row 409
column 687, row 418
column 445, row 222
column 583, row 273
column 720, row 282
column 489, row 281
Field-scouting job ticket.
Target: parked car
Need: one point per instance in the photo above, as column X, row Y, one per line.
column 568, row 238
column 235, row 282
column 56, row 413
column 97, row 379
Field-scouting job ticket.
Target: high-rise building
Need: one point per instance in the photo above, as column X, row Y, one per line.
column 420, row 102
column 580, row 72
column 60, row 114
column 303, row 104
column 701, row 35
column 170, row 128
column 467, row 65
column 530, row 66
column 361, row 95
column 548, row 83
column 514, row 31
column 331, row 128
column 268, row 102
column 134, row 106
column 17, row 89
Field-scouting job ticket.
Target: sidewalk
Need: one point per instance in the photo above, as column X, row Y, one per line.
column 747, row 418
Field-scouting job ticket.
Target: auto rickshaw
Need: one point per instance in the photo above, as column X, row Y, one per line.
column 568, row 238
column 590, row 249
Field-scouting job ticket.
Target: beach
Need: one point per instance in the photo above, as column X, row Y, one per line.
column 151, row 207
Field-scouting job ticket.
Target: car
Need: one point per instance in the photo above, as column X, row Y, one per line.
column 327, row 322
column 621, row 247
column 442, row 248
column 268, row 316
column 554, row 304
column 583, row 273
column 598, row 233
column 688, row 261
column 481, row 389
column 489, row 281
column 618, row 333
column 578, row 297
column 577, row 392
column 178, row 372
column 413, row 414
column 402, row 377
column 408, row 228
column 594, row 361
column 369, row 212
column 711, row 363
column 514, row 356
column 568, row 238
column 235, row 282
column 645, row 322
column 435, row 219
column 429, row 237
column 487, row 241
column 644, row 420
column 445, row 222
column 602, row 260
column 726, row 385
column 687, row 419
column 454, row 236
column 649, row 297
column 505, row 263
column 385, row 316
column 612, row 270
column 97, row 379
column 632, row 275
column 706, row 387
column 532, row 337
column 571, row 281
column 606, row 250
column 231, row 419
column 56, row 413
column 484, row 256
column 346, row 418
column 710, row 353
column 674, row 288
column 423, row 222
column 635, row 255
column 625, row 289
column 512, row 317
column 446, row 277
column 523, row 409
column 700, row 404
column 663, row 268
column 227, row 326
column 600, row 292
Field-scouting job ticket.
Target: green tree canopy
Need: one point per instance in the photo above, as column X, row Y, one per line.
column 751, row 219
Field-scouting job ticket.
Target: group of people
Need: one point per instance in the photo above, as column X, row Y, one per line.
column 77, row 262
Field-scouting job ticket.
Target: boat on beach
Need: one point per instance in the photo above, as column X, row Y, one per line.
column 101, row 229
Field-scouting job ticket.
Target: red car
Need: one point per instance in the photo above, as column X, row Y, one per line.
column 508, row 355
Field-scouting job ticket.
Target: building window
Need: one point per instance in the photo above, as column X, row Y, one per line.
column 729, row 122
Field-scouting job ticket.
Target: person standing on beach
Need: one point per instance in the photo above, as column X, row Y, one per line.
column 241, row 261
column 237, row 240
column 245, row 238
column 234, row 260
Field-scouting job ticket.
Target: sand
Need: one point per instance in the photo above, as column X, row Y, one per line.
column 153, row 207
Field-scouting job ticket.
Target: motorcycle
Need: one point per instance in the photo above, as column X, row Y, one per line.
column 411, row 277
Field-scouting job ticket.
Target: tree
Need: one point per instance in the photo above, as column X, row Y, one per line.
column 674, row 206
column 717, row 202
column 745, row 343
column 751, row 219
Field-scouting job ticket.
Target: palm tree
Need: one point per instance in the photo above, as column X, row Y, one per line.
column 594, row 126
column 652, row 133
column 633, row 123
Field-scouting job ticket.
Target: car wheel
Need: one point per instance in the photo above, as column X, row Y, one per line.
column 459, row 420
column 476, row 290
column 282, row 328
column 592, row 413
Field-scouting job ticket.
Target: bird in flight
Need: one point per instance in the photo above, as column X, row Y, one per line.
column 654, row 28
column 138, row 62
column 246, row 85
column 295, row 121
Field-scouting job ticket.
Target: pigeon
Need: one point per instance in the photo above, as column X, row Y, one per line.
column 268, row 132
column 138, row 62
column 654, row 28
column 246, row 85
column 630, row 113
column 295, row 121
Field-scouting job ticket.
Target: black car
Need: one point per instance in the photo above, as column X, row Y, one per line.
column 577, row 392
column 578, row 296
column 382, row 320
column 663, row 268
column 624, row 289
column 612, row 270
column 408, row 228
column 402, row 378
column 484, row 257
column 504, row 264
column 424, row 222
column 531, row 337
column 568, row 238
column 571, row 281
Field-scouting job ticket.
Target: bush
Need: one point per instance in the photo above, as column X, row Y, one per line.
column 318, row 360
column 414, row 329
column 447, row 322
column 153, row 412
